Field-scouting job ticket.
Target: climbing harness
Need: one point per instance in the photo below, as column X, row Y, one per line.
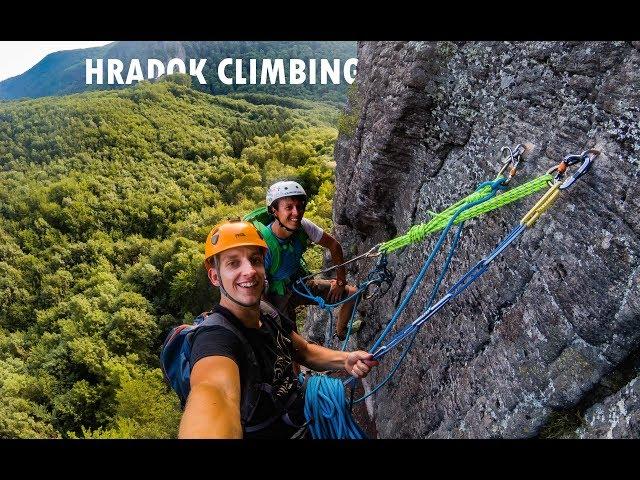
column 328, row 392
column 378, row 276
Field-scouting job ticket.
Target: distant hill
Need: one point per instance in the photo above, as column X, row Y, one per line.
column 62, row 73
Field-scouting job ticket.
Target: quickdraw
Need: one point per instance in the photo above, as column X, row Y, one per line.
column 527, row 221
column 484, row 193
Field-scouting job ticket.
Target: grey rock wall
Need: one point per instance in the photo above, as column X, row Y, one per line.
column 617, row 417
column 561, row 308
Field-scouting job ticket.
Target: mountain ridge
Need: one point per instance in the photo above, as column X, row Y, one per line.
column 62, row 73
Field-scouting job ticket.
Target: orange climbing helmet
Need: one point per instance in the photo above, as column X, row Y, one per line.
column 230, row 234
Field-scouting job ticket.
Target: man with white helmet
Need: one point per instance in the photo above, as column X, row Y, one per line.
column 288, row 236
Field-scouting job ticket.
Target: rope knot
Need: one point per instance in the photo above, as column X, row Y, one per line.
column 320, row 301
column 415, row 234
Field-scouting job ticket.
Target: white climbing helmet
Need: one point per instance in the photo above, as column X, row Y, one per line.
column 287, row 188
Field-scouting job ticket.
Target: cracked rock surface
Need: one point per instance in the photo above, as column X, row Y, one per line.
column 561, row 308
column 617, row 417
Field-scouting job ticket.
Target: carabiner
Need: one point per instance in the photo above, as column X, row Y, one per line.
column 585, row 157
column 552, row 194
column 379, row 276
column 513, row 159
column 588, row 156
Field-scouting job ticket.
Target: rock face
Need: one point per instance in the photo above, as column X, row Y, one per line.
column 617, row 417
column 561, row 308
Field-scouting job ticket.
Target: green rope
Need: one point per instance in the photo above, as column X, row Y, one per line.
column 417, row 233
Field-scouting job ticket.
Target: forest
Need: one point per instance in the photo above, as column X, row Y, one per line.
column 106, row 198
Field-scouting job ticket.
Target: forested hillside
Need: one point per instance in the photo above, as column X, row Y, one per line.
column 61, row 73
column 105, row 201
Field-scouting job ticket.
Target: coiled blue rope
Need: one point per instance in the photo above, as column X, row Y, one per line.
column 325, row 410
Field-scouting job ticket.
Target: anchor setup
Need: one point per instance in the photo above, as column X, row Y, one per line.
column 327, row 411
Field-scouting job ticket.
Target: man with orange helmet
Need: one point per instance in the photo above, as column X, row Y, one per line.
column 250, row 360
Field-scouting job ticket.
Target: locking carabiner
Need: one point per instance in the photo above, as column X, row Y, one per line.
column 381, row 275
column 587, row 157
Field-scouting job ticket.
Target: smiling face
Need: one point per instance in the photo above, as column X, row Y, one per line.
column 290, row 211
column 241, row 271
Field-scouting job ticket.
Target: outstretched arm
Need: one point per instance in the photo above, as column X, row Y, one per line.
column 357, row 363
column 213, row 406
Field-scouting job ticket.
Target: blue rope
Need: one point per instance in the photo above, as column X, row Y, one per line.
column 378, row 275
column 353, row 314
column 495, row 186
column 323, row 407
column 457, row 289
column 461, row 285
column 445, row 268
column 330, row 325
column 321, row 302
column 433, row 295
column 329, row 390
column 328, row 307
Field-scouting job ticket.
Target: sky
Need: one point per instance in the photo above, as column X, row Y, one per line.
column 18, row 57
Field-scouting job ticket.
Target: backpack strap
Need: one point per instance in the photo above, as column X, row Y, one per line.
column 272, row 315
column 252, row 387
column 250, row 391
column 273, row 244
column 270, row 311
